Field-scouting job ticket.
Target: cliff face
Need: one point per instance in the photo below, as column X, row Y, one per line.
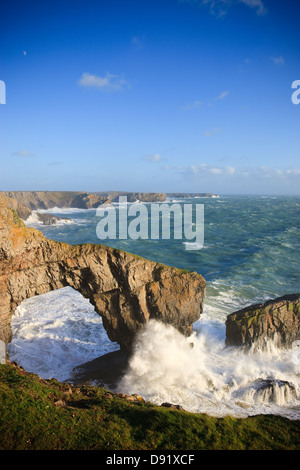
column 277, row 320
column 126, row 290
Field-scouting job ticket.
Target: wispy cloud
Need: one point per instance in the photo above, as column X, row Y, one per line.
column 212, row 132
column 54, row 163
column 155, row 157
column 222, row 95
column 108, row 83
column 23, row 153
column 203, row 170
column 138, row 41
column 278, row 60
column 219, row 8
column 257, row 5
column 195, row 105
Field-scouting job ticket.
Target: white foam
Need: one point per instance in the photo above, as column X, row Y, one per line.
column 64, row 210
column 34, row 221
column 55, row 332
column 208, row 377
column 194, row 246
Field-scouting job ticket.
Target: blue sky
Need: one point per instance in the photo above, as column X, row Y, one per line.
column 150, row 95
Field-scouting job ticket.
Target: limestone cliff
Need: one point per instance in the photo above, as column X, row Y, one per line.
column 125, row 289
column 277, row 320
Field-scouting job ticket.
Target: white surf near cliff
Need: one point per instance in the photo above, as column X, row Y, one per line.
column 251, row 254
column 202, row 375
column 57, row 331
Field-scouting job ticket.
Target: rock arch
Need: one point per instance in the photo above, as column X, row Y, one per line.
column 126, row 290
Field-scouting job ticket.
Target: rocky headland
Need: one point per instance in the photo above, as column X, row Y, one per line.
column 25, row 202
column 126, row 290
column 35, row 200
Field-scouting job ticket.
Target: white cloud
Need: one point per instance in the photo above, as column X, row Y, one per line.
column 155, row 157
column 109, row 82
column 197, row 104
column 138, row 41
column 212, row 132
column 216, row 171
column 278, row 60
column 194, row 105
column 230, row 173
column 230, row 170
column 24, row 52
column 222, row 95
column 257, row 4
column 23, row 153
column 219, row 8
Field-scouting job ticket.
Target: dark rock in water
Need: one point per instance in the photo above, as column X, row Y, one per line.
column 106, row 370
column 266, row 391
column 49, row 219
column 277, row 320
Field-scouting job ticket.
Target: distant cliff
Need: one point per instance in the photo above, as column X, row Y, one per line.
column 125, row 289
column 36, row 200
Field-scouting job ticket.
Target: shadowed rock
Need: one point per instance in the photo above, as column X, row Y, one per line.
column 106, row 370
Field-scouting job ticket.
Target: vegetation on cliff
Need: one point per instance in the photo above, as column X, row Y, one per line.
column 38, row 414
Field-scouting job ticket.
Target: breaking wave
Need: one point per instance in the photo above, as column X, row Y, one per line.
column 201, row 375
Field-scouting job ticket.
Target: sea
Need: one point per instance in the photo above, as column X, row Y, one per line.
column 250, row 254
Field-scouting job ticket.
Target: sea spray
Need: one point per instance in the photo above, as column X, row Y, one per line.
column 201, row 375
column 251, row 254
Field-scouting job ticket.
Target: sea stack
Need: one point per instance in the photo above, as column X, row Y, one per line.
column 277, row 320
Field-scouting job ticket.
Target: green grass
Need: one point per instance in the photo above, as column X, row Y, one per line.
column 17, row 220
column 31, row 417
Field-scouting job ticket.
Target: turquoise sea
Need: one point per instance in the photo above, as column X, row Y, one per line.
column 251, row 253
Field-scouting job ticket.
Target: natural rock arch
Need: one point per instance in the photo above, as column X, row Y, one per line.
column 126, row 290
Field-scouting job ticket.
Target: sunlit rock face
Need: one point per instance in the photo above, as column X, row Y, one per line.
column 277, row 320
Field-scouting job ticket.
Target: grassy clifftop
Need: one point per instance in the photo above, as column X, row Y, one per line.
column 43, row 414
